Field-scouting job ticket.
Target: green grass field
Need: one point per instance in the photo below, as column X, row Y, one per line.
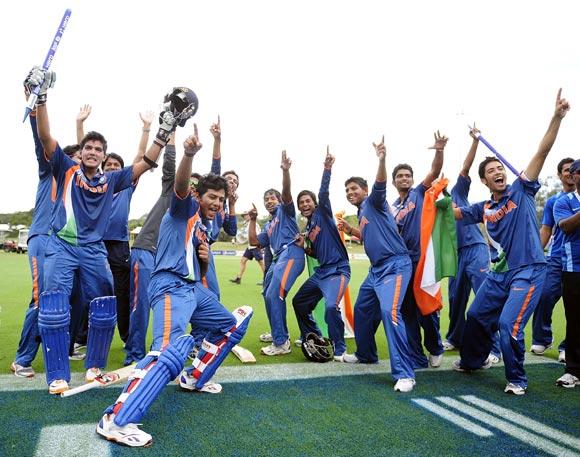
column 285, row 406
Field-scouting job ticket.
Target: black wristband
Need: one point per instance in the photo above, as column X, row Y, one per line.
column 159, row 143
column 150, row 162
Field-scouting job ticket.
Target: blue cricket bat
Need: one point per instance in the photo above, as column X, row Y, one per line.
column 496, row 153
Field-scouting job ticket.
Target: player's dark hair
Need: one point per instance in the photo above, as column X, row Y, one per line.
column 213, row 182
column 275, row 192
column 117, row 157
column 482, row 165
column 94, row 136
column 231, row 172
column 71, row 149
column 358, row 181
column 402, row 166
column 307, row 192
column 564, row 162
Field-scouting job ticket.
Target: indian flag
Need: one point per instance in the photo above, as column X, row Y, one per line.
column 438, row 248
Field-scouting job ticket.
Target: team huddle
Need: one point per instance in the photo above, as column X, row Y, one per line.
column 79, row 253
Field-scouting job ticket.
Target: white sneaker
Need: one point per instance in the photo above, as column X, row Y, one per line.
column 447, row 346
column 493, row 359
column 92, row 374
column 404, row 385
column 346, row 358
column 298, row 343
column 266, row 338
column 569, row 381
column 514, row 389
column 77, row 355
column 129, row 435
column 57, row 387
column 20, row 371
column 277, row 350
column 456, row 365
column 188, row 382
column 539, row 349
column 435, row 360
column 562, row 356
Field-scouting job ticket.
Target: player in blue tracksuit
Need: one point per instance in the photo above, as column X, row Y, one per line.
column 176, row 294
column 542, row 320
column 513, row 287
column 281, row 235
column 331, row 277
column 83, row 202
column 407, row 209
column 473, row 264
column 381, row 294
column 567, row 216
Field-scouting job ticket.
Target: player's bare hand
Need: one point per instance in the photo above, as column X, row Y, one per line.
column 440, row 141
column 286, row 163
column 474, row 133
column 216, row 130
column 253, row 213
column 232, row 197
column 329, row 159
column 84, row 113
column 203, row 252
column 381, row 149
column 146, row 118
column 299, row 240
column 562, row 105
column 343, row 225
column 192, row 143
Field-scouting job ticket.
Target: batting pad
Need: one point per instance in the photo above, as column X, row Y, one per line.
column 149, row 378
column 102, row 320
column 53, row 324
column 211, row 356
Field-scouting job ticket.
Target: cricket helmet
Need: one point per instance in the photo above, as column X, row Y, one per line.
column 317, row 348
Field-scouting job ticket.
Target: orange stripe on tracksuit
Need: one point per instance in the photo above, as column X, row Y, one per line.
column 285, row 278
column 166, row 321
column 35, row 282
column 135, row 286
column 396, row 298
column 67, row 177
column 518, row 322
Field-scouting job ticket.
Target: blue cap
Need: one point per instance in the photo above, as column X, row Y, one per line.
column 575, row 166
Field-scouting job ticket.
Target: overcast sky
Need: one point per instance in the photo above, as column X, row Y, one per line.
column 297, row 76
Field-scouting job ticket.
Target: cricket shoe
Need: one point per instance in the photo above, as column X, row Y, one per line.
column 447, row 346
column 187, row 382
column 92, row 374
column 562, row 357
column 129, row 435
column 236, row 280
column 435, row 360
column 266, row 338
column 404, row 385
column 57, row 387
column 77, row 355
column 20, row 371
column 539, row 349
column 514, row 389
column 346, row 358
column 277, row 350
column 456, row 365
column 494, row 359
column 569, row 381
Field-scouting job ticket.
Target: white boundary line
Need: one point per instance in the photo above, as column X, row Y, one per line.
column 453, row 418
column 72, row 439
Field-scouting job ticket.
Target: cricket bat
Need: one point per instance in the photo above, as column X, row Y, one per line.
column 243, row 354
column 106, row 379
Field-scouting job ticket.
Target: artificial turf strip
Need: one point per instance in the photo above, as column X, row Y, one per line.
column 346, row 415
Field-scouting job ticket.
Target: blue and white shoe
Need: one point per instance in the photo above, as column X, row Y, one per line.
column 187, row 382
column 129, row 435
column 514, row 389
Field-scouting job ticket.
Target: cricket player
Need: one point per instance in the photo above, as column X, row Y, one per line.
column 567, row 216
column 331, row 277
column 176, row 295
column 381, row 293
column 281, row 234
column 407, row 209
column 510, row 293
column 83, row 203
column 251, row 252
column 551, row 233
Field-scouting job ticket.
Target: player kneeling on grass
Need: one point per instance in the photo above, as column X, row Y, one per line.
column 381, row 293
column 331, row 277
column 177, row 295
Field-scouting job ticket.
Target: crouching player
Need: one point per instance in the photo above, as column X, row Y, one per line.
column 177, row 295
column 381, row 294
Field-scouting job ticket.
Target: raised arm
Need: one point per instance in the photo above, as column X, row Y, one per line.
column 147, row 120
column 44, row 79
column 82, row 116
column 216, row 132
column 469, row 158
column 324, row 193
column 190, row 147
column 381, row 151
column 437, row 164
column 285, row 166
column 534, row 168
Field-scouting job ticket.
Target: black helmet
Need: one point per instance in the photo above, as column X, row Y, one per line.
column 317, row 348
column 182, row 103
